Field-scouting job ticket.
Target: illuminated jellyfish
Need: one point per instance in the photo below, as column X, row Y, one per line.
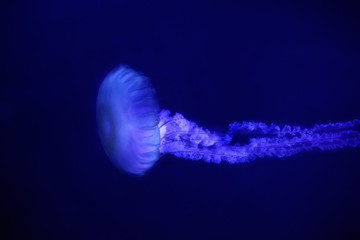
column 135, row 133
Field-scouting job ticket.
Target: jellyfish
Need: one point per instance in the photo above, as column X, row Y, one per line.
column 135, row 133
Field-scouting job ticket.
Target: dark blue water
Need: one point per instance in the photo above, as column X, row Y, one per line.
column 289, row 62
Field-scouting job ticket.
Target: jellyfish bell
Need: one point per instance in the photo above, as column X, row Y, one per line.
column 127, row 118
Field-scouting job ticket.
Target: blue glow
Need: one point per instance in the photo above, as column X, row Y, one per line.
column 134, row 133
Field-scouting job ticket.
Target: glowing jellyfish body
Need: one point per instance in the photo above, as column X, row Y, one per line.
column 134, row 132
column 127, row 116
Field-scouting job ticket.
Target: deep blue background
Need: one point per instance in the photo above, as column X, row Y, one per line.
column 291, row 62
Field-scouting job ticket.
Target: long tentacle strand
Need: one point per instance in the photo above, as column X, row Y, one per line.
column 186, row 139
